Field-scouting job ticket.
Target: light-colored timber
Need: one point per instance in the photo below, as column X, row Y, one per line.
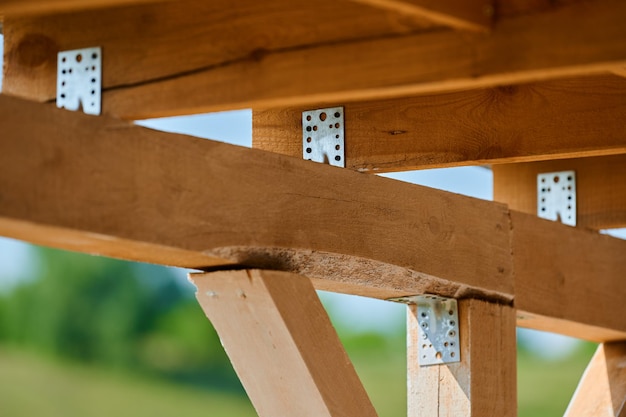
column 600, row 196
column 551, row 120
column 473, row 15
column 282, row 344
column 101, row 185
column 306, row 67
column 484, row 383
column 602, row 389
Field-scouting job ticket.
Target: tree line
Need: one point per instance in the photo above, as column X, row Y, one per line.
column 116, row 314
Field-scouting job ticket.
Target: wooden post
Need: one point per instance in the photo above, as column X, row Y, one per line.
column 484, row 383
column 602, row 389
column 282, row 344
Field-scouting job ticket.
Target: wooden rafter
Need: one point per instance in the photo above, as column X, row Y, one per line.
column 461, row 14
column 182, row 37
column 556, row 119
column 103, row 186
column 600, row 200
column 282, row 344
column 298, row 68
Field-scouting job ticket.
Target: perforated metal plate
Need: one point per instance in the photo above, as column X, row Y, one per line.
column 79, row 80
column 438, row 331
column 556, row 196
column 323, row 136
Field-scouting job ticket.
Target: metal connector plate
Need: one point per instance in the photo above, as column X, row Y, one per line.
column 438, row 332
column 556, row 196
column 79, row 80
column 323, row 136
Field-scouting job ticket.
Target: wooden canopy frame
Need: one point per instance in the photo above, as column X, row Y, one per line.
column 527, row 86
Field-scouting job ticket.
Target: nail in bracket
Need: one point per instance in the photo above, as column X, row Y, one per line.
column 556, row 196
column 438, row 331
column 79, row 80
column 323, row 136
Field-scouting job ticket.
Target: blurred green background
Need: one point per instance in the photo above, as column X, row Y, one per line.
column 90, row 336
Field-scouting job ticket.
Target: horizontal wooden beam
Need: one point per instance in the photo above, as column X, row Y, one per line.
column 282, row 344
column 600, row 200
column 216, row 204
column 558, row 270
column 100, row 185
column 352, row 56
column 182, row 37
column 555, row 119
column 473, row 15
column 39, row 7
column 602, row 389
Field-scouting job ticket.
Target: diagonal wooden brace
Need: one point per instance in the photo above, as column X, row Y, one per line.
column 602, row 389
column 282, row 344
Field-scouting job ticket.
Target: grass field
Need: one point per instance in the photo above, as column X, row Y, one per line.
column 33, row 386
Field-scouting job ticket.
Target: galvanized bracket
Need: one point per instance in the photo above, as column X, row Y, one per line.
column 323, row 136
column 438, row 319
column 556, row 196
column 79, row 80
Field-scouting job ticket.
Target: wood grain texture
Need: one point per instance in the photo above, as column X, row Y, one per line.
column 41, row 7
column 555, row 119
column 484, row 383
column 103, row 186
column 508, row 8
column 602, row 389
column 216, row 204
column 558, row 269
column 153, row 42
column 282, row 344
column 577, row 39
column 473, row 15
column 600, row 196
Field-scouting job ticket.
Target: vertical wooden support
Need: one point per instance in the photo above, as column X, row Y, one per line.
column 602, row 389
column 282, row 344
column 484, row 383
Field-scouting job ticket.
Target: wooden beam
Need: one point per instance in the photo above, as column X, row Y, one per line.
column 602, row 389
column 473, row 15
column 182, row 37
column 282, row 344
column 484, row 383
column 40, row 7
column 550, row 289
column 555, row 119
column 600, row 200
column 104, row 186
column 128, row 188
column 302, row 67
